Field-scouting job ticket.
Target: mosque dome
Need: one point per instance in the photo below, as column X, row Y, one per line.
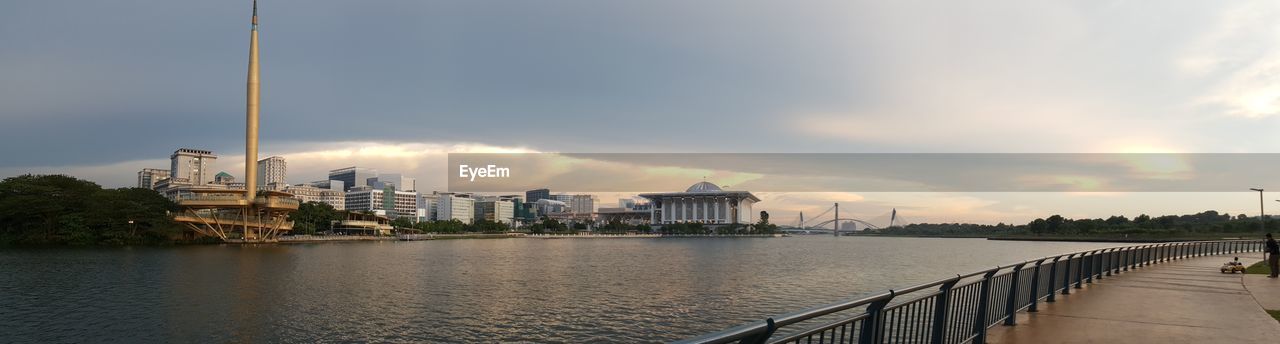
column 703, row 187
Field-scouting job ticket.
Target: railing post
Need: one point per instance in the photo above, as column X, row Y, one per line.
column 1035, row 288
column 1053, row 278
column 1113, row 262
column 940, row 305
column 1093, row 261
column 1080, row 272
column 873, row 326
column 984, row 302
column 1128, row 257
column 1066, row 276
column 1011, row 303
column 1102, row 263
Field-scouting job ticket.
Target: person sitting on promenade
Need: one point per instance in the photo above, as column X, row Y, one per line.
column 1272, row 255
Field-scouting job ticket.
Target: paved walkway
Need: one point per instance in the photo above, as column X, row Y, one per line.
column 1184, row 301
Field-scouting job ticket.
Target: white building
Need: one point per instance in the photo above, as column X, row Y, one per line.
column 454, row 206
column 701, row 203
column 306, row 193
column 582, row 204
column 149, row 177
column 577, row 204
column 402, row 203
column 399, row 181
column 272, row 171
column 495, row 209
column 193, row 165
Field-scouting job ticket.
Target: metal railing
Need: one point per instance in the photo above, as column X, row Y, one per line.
column 960, row 309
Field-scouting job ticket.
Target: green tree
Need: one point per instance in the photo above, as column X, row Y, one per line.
column 313, row 217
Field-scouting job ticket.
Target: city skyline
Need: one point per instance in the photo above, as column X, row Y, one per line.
column 1195, row 80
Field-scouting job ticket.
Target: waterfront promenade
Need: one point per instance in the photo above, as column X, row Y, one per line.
column 1182, row 301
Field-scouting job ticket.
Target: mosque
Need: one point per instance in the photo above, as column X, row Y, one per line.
column 703, row 203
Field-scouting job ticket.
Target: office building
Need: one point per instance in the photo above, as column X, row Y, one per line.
column 193, row 165
column 582, row 204
column 532, row 196
column 272, row 171
column 495, row 209
column 337, row 185
column 455, row 206
column 307, row 193
column 353, row 177
column 394, row 203
column 149, row 177
column 396, row 180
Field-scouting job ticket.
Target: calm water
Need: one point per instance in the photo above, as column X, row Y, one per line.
column 501, row 290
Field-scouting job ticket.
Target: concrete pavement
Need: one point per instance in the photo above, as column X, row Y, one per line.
column 1184, row 301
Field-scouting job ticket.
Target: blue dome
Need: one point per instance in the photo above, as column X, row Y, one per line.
column 703, row 187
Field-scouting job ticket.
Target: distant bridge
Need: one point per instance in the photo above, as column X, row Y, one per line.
column 823, row 223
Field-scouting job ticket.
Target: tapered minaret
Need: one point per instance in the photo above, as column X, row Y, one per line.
column 251, row 114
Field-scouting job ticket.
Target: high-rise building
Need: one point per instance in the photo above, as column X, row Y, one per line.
column 148, row 177
column 532, row 196
column 353, row 176
column 453, row 206
column 271, row 171
column 626, row 203
column 193, row 165
column 582, row 204
column 495, row 209
column 393, row 203
column 399, row 181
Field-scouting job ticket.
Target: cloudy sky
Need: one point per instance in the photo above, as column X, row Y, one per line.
column 100, row 89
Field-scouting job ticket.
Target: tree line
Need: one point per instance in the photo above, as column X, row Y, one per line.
column 1203, row 223
column 62, row 210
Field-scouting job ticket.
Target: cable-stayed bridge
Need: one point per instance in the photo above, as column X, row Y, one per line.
column 828, row 220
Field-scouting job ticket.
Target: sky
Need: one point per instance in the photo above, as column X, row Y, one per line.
column 101, row 89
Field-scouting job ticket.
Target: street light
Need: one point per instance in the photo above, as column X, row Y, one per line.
column 1262, row 218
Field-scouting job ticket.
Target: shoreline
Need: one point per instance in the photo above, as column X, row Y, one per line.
column 1071, row 238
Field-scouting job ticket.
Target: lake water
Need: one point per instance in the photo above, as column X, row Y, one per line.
column 498, row 290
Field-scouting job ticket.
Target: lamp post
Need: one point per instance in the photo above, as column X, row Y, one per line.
column 1262, row 213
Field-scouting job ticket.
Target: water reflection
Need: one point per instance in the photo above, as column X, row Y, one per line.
column 566, row 290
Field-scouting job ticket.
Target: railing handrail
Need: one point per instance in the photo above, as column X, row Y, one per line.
column 1084, row 262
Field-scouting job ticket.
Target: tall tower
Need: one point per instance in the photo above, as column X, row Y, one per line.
column 251, row 114
column 224, row 213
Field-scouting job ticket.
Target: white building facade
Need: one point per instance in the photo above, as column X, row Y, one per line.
column 402, row 203
column 703, row 203
column 271, row 173
column 306, row 193
column 193, row 165
column 149, row 177
column 453, row 206
column 495, row 209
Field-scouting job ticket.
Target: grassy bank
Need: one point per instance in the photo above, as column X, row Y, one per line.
column 1259, row 268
